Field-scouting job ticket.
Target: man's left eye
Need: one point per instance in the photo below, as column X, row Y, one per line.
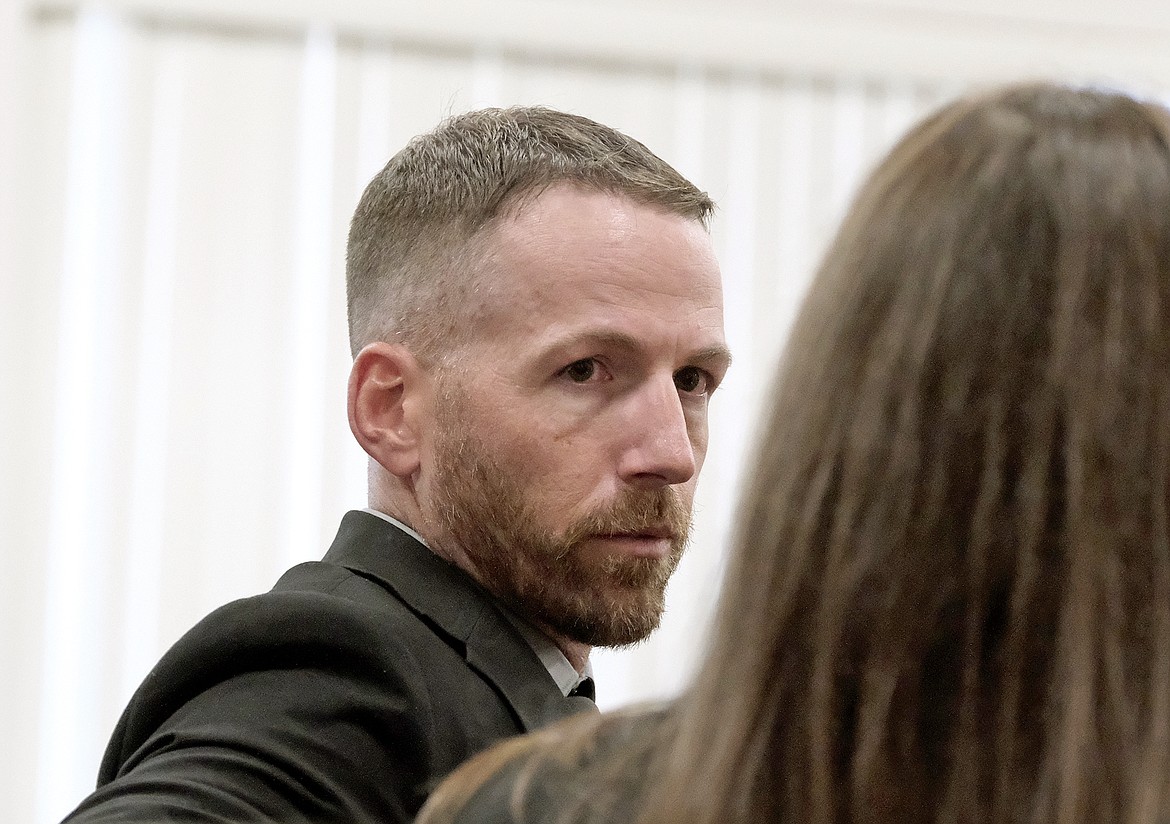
column 581, row 371
column 692, row 380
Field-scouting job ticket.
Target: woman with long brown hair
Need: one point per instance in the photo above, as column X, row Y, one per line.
column 949, row 593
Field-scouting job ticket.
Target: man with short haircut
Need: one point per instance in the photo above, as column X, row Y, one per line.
column 536, row 320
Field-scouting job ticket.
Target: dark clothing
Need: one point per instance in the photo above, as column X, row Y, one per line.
column 344, row 694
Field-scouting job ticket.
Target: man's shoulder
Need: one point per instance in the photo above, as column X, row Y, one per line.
column 380, row 667
column 292, row 632
column 327, row 633
column 350, row 617
column 361, row 609
column 351, row 614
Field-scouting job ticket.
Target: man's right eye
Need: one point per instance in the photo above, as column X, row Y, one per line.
column 581, row 371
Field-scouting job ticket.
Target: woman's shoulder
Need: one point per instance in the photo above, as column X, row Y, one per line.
column 587, row 768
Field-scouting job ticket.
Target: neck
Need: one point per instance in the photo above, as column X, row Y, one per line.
column 576, row 652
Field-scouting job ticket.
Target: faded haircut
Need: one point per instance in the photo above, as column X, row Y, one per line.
column 412, row 247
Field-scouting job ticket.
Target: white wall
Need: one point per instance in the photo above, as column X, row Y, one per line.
column 175, row 182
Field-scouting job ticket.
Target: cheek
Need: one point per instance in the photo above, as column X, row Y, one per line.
column 686, row 493
column 567, row 475
column 568, row 466
column 542, row 464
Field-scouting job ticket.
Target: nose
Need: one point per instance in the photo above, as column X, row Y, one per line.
column 658, row 448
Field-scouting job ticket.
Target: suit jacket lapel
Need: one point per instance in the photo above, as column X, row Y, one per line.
column 491, row 650
column 460, row 608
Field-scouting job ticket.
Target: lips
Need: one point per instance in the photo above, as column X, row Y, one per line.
column 655, row 543
column 654, row 534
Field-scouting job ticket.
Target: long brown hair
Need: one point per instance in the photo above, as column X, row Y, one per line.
column 949, row 594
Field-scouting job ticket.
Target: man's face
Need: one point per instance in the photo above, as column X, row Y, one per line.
column 572, row 424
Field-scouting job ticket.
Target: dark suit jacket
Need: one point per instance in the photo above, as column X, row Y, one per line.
column 344, row 694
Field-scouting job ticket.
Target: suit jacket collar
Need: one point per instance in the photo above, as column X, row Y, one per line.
column 457, row 606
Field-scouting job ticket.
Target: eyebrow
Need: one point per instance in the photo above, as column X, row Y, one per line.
column 718, row 354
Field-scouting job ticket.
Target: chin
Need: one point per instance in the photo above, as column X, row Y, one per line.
column 616, row 623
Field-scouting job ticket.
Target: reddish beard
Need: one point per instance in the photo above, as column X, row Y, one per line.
column 549, row 577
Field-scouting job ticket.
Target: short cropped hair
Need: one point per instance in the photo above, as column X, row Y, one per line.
column 410, row 254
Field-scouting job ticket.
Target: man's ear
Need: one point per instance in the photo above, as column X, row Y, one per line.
column 389, row 399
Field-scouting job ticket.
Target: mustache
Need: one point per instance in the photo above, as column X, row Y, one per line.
column 634, row 511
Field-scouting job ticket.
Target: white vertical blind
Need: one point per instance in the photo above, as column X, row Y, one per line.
column 173, row 213
column 304, row 353
column 150, row 434
column 80, row 556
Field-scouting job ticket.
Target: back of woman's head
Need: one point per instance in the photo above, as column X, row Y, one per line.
column 950, row 595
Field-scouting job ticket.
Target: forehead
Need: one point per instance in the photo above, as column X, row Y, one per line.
column 572, row 256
